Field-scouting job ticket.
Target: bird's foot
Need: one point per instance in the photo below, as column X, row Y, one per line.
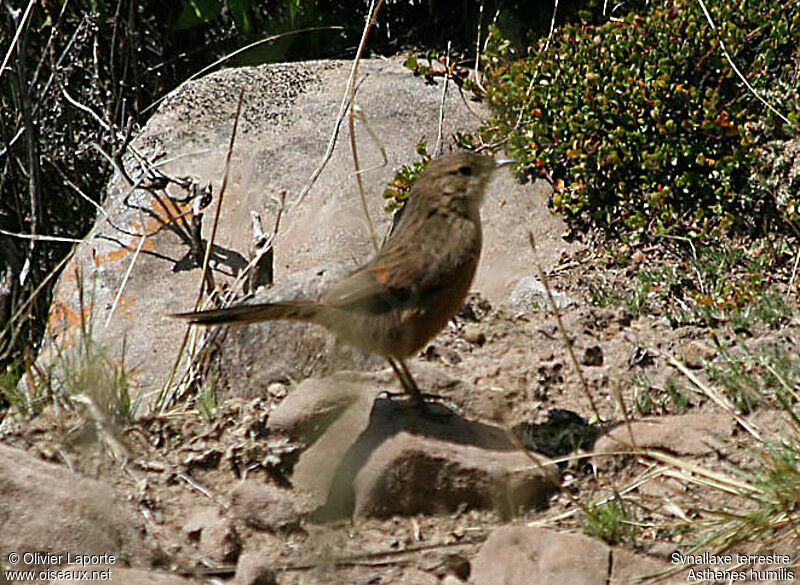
column 427, row 404
column 431, row 406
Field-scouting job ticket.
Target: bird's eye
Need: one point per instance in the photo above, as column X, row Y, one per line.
column 465, row 170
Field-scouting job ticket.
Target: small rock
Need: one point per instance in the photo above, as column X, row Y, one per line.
column 354, row 440
column 327, row 415
column 629, row 567
column 277, row 390
column 458, row 566
column 695, row 353
column 473, row 334
column 264, row 506
column 529, row 556
column 475, row 308
column 685, row 434
column 252, row 569
column 213, row 535
column 44, row 507
column 441, row 353
column 530, row 295
column 307, row 412
column 592, row 356
column 410, row 474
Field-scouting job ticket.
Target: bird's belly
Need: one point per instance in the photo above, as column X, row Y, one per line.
column 404, row 331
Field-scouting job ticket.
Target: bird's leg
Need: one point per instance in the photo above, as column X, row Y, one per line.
column 406, row 379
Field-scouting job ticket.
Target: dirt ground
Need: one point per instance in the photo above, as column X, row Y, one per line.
column 489, row 364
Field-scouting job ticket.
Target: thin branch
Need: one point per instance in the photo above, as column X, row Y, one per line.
column 524, row 107
column 477, row 48
column 86, row 109
column 373, row 13
column 40, row 238
column 20, row 28
column 346, row 101
column 166, row 393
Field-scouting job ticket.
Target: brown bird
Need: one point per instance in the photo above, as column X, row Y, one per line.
column 415, row 284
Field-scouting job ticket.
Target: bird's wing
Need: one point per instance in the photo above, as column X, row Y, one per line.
column 405, row 270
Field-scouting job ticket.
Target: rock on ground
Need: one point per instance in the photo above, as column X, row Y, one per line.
column 212, row 534
column 265, row 506
column 529, row 295
column 684, row 434
column 374, row 457
column 522, row 555
column 280, row 143
column 45, row 508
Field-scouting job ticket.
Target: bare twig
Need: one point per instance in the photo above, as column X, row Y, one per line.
column 354, row 149
column 477, row 73
column 534, row 74
column 57, row 66
column 40, row 238
column 86, row 109
column 373, row 13
column 46, row 50
column 167, row 391
column 621, row 401
column 20, row 28
column 24, row 306
column 125, row 280
column 440, row 128
column 77, row 189
column 346, row 101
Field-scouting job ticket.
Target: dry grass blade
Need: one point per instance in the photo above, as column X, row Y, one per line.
column 351, row 120
column 167, row 391
column 346, row 101
column 715, row 397
column 6, row 348
column 445, row 83
column 563, row 331
column 649, row 475
column 125, row 280
column 17, row 34
column 730, row 484
column 741, row 77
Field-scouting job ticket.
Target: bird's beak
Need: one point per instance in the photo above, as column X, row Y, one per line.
column 504, row 162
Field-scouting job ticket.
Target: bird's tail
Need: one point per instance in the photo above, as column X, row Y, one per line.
column 289, row 310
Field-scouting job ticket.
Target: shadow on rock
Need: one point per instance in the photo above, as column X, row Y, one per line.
column 376, row 457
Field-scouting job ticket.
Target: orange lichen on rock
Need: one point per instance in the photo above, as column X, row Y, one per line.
column 115, row 255
column 64, row 318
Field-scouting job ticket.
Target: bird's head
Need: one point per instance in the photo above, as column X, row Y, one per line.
column 458, row 179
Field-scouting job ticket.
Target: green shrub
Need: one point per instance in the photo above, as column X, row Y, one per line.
column 641, row 123
column 400, row 186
